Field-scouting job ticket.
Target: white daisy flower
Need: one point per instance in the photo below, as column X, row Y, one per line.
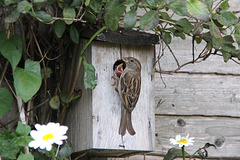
column 46, row 135
column 182, row 141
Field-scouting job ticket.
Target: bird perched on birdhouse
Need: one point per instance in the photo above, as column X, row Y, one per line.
column 127, row 75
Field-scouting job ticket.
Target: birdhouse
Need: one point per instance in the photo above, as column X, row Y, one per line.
column 94, row 119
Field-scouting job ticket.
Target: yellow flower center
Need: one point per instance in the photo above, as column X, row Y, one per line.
column 184, row 141
column 47, row 137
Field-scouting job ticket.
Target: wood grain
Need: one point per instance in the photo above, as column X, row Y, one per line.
column 204, row 129
column 197, row 94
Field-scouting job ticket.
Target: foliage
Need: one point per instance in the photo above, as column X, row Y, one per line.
column 11, row 143
column 37, row 37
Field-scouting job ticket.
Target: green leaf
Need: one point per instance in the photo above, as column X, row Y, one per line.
column 54, row 102
column 22, row 141
column 8, row 149
column 39, row 1
column 24, row 6
column 43, row 16
column 27, row 156
column 27, row 81
column 74, row 34
column 209, row 4
column 63, row 96
column 198, row 9
column 89, row 75
column 149, row 20
column 23, row 129
column 186, row 25
column 237, row 36
column 96, row 5
column 227, row 18
column 87, row 2
column 226, row 56
column 130, row 19
column 179, row 7
column 167, row 37
column 69, row 12
column 198, row 28
column 217, row 42
column 7, row 2
column 224, row 6
column 66, row 151
column 215, row 32
column 11, row 49
column 59, row 27
column 173, row 153
column 6, row 101
column 12, row 16
column 153, row 2
column 48, row 72
column 113, row 11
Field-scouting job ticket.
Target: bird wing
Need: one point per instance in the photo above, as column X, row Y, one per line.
column 130, row 89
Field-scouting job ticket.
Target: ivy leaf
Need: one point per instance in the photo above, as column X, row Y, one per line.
column 215, row 32
column 224, row 6
column 209, row 4
column 74, row 34
column 11, row 48
column 12, row 16
column 89, row 75
column 197, row 9
column 113, row 11
column 152, row 2
column 227, row 18
column 22, row 141
column 237, row 36
column 24, row 6
column 66, row 150
column 6, row 101
column 149, row 20
column 23, row 129
column 130, row 19
column 69, row 12
column 55, row 102
column 167, row 37
column 8, row 149
column 96, row 5
column 186, row 25
column 179, row 7
column 27, row 81
column 226, row 55
column 42, row 16
column 173, row 153
column 59, row 27
column 27, row 156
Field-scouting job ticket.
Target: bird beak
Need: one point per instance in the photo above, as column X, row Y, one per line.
column 125, row 60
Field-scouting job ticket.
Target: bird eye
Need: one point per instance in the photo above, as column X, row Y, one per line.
column 131, row 60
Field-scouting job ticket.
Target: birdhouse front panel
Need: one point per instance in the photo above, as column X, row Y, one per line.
column 97, row 114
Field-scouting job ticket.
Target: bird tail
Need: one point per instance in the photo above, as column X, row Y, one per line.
column 123, row 122
column 129, row 124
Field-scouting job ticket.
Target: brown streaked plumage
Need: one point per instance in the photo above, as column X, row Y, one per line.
column 129, row 90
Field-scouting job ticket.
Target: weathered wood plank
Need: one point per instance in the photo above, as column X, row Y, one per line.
column 183, row 52
column 198, row 94
column 223, row 132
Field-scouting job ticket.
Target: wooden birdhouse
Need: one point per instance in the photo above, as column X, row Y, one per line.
column 94, row 119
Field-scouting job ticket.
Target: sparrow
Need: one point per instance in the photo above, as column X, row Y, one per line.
column 129, row 87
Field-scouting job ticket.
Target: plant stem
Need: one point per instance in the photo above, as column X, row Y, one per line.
column 183, row 152
column 53, row 155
